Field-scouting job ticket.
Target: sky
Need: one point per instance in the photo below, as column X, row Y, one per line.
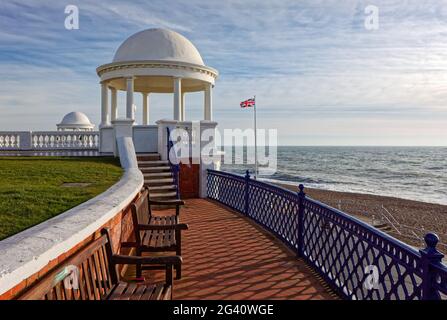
column 319, row 75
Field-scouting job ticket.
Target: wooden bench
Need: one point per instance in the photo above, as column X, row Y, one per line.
column 165, row 219
column 168, row 219
column 91, row 275
column 154, row 234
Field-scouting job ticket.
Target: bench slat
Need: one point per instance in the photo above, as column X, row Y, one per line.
column 119, row 289
column 164, row 220
column 148, row 292
column 133, row 291
column 130, row 290
column 168, row 293
column 102, row 266
column 157, row 293
column 107, row 268
column 88, row 280
column 94, row 282
column 158, row 239
column 138, row 293
column 99, row 284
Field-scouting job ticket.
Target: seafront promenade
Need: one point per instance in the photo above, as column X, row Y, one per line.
column 228, row 257
column 229, row 237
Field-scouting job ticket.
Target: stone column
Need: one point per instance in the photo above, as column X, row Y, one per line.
column 104, row 105
column 130, row 114
column 145, row 108
column 183, row 113
column 177, row 98
column 208, row 103
column 163, row 136
column 114, row 105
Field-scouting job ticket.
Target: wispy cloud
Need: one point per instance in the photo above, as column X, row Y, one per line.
column 308, row 62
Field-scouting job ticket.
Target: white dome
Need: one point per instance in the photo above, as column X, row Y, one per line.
column 76, row 121
column 75, row 118
column 158, row 44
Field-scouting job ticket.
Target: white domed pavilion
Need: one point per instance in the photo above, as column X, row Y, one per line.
column 156, row 45
column 75, row 121
column 155, row 61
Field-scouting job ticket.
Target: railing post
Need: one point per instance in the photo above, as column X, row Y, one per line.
column 168, row 139
column 301, row 197
column 25, row 141
column 246, row 199
column 429, row 255
column 176, row 170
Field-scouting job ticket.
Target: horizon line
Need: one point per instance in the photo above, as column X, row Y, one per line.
column 327, row 145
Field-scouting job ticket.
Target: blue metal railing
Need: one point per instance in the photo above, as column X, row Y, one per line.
column 173, row 163
column 358, row 261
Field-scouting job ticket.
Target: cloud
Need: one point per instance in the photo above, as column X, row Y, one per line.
column 304, row 60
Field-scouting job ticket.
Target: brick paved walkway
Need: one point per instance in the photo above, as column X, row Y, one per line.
column 226, row 256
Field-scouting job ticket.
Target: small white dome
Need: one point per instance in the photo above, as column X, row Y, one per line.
column 75, row 118
column 158, row 44
column 75, row 121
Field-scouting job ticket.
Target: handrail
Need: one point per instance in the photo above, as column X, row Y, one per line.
column 357, row 260
column 175, row 167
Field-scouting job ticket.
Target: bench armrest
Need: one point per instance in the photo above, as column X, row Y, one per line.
column 170, row 260
column 178, row 226
column 162, row 203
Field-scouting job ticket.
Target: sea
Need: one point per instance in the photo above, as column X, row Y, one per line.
column 415, row 173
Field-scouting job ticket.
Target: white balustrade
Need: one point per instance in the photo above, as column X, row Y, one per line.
column 49, row 140
column 9, row 140
column 65, row 140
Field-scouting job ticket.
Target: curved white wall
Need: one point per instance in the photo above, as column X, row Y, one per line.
column 27, row 252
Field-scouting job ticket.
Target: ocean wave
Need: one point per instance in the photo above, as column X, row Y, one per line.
column 410, row 172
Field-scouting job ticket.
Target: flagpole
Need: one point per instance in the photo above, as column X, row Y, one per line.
column 256, row 144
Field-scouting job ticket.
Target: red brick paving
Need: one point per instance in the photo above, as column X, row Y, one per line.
column 227, row 256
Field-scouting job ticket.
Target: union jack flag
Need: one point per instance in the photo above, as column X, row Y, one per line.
column 248, row 103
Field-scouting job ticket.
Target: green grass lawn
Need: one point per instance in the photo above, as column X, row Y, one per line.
column 32, row 188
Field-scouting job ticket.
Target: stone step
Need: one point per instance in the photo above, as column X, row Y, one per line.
column 161, row 188
column 152, row 163
column 157, row 175
column 148, row 156
column 157, row 182
column 155, row 169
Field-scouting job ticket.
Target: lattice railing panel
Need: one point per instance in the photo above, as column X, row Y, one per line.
column 440, row 280
column 357, row 260
column 276, row 209
column 227, row 190
column 360, row 263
